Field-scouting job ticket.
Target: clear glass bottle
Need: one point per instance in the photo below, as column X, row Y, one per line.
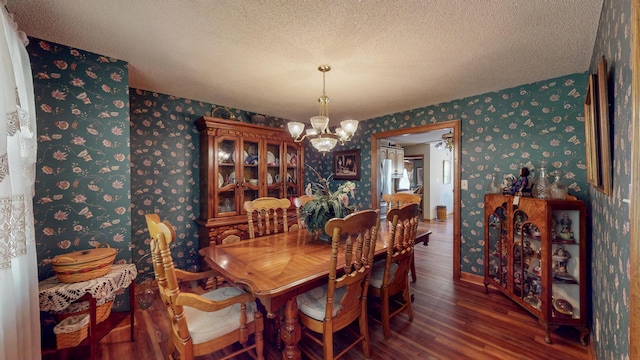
column 542, row 186
column 494, row 187
column 558, row 190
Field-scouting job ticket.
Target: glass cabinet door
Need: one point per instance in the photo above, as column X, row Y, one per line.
column 293, row 171
column 251, row 179
column 275, row 178
column 226, row 186
column 565, row 264
column 497, row 245
column 527, row 260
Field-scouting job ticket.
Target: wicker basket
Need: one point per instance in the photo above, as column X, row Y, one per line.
column 72, row 331
column 102, row 311
column 83, row 265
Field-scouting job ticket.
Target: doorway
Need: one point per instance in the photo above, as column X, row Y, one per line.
column 375, row 201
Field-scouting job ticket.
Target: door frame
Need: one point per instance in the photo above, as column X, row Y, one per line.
column 456, row 126
column 634, row 254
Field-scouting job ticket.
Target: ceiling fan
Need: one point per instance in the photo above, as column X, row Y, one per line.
column 446, row 142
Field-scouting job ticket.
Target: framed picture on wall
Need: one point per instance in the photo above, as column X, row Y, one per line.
column 346, row 165
column 591, row 132
column 604, row 155
column 419, row 174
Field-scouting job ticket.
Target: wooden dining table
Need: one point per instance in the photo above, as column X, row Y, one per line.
column 277, row 267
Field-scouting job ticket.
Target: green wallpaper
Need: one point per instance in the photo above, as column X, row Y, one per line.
column 84, row 191
column 165, row 170
column 610, row 216
column 82, row 185
column 528, row 123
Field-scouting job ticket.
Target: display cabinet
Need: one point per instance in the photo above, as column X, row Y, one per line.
column 535, row 253
column 241, row 162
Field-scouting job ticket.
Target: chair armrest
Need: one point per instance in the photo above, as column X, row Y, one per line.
column 202, row 304
column 191, row 276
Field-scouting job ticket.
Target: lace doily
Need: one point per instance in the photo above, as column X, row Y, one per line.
column 78, row 307
column 57, row 296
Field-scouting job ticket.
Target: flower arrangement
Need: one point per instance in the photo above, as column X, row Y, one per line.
column 327, row 204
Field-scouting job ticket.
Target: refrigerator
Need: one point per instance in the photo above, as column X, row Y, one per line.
column 385, row 183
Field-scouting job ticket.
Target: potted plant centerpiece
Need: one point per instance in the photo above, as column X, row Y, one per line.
column 326, row 204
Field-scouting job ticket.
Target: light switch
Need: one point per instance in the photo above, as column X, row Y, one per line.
column 464, row 185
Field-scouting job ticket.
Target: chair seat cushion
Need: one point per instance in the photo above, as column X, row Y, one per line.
column 377, row 273
column 313, row 303
column 204, row 326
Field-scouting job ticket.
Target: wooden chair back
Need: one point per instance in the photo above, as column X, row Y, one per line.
column 169, row 278
column 402, row 237
column 230, row 236
column 267, row 215
column 355, row 237
column 396, row 200
column 156, row 258
column 299, row 203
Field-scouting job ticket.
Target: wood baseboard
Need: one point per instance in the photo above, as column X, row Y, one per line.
column 472, row 278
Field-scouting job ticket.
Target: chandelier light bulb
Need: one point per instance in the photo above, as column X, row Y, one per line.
column 295, row 128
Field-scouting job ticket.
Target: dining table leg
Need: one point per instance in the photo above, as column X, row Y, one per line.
column 291, row 332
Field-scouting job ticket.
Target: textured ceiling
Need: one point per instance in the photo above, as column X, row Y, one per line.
column 262, row 56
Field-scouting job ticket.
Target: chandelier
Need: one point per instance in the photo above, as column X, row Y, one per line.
column 447, row 142
column 321, row 138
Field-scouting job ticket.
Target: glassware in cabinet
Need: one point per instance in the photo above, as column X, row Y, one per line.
column 251, row 170
column 528, row 266
column 226, row 185
column 293, row 171
column 274, row 170
column 566, row 264
column 496, row 243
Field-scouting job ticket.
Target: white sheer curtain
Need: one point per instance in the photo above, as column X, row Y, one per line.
column 19, row 311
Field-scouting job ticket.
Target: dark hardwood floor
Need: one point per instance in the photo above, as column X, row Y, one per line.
column 452, row 320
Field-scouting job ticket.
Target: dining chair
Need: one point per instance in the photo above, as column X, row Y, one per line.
column 230, row 236
column 202, row 324
column 390, row 276
column 343, row 299
column 299, row 203
column 269, row 214
column 395, row 201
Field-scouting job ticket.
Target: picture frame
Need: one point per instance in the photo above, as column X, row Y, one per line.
column 420, row 175
column 346, row 165
column 591, row 132
column 604, row 155
column 446, row 172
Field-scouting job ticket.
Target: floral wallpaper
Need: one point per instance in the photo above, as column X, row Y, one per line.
column 539, row 121
column 165, row 170
column 84, row 188
column 82, row 180
column 610, row 216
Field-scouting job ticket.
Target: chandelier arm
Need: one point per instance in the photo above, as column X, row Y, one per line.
column 302, row 137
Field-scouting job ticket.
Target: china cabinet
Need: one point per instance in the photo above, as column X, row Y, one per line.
column 240, row 162
column 535, row 253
